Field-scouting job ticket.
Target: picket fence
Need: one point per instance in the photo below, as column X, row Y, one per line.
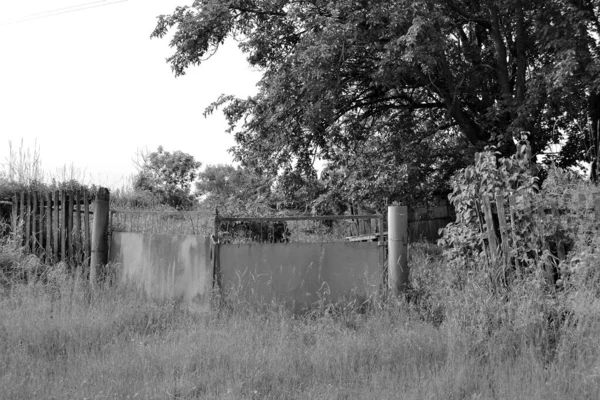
column 54, row 225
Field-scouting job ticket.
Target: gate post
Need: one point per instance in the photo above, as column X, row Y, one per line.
column 99, row 233
column 398, row 273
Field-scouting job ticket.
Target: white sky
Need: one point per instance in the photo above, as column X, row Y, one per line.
column 92, row 88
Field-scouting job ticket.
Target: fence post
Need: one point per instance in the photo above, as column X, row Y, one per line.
column 99, row 233
column 491, row 231
column 398, row 273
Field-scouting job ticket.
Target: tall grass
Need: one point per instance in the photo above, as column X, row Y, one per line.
column 23, row 167
column 60, row 340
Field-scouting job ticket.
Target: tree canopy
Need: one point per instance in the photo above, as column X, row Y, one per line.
column 394, row 96
column 168, row 176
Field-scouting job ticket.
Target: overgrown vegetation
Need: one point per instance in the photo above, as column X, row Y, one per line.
column 60, row 340
column 22, row 170
column 463, row 330
column 457, row 335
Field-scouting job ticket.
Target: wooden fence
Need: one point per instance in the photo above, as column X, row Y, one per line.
column 537, row 225
column 54, row 225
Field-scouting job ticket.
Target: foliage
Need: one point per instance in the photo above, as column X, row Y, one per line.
column 464, row 239
column 244, row 191
column 168, row 176
column 399, row 93
column 232, row 189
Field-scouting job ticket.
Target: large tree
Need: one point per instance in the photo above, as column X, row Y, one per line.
column 400, row 93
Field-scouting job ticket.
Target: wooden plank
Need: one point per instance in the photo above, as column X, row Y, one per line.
column 41, row 224
column 22, row 219
column 34, row 224
column 42, row 232
column 491, row 233
column 539, row 229
column 15, row 215
column 63, row 225
column 560, row 246
column 48, row 227
column 362, row 229
column 479, row 216
column 55, row 226
column 69, row 217
column 513, row 219
column 78, row 246
column 503, row 227
column 533, row 226
column 86, row 230
column 28, row 223
column 363, row 238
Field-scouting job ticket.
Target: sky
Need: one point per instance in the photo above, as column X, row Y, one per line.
column 90, row 88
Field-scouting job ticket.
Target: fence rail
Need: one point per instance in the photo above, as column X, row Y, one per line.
column 302, row 218
column 299, row 228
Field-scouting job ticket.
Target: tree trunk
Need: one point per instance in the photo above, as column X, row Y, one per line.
column 592, row 139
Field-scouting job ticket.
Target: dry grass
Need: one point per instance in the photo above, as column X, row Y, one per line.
column 58, row 340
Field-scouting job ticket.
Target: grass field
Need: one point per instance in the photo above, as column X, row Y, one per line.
column 60, row 341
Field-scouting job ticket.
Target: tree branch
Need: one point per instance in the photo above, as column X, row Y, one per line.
column 258, row 12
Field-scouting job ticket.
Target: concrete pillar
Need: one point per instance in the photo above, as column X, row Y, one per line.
column 398, row 273
column 99, row 256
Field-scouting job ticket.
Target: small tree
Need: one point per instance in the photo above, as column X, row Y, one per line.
column 168, row 176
